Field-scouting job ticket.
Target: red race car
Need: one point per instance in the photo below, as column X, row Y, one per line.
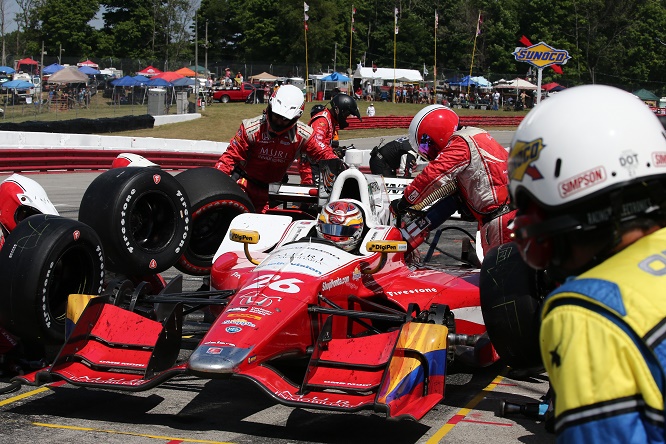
column 311, row 324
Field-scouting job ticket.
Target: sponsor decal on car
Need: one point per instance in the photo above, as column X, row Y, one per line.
column 334, row 283
column 412, row 291
column 214, row 350
column 260, row 311
column 233, row 329
column 241, row 322
column 244, row 315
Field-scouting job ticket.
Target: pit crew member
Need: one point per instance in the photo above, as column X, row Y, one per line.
column 468, row 158
column 386, row 160
column 590, row 189
column 265, row 146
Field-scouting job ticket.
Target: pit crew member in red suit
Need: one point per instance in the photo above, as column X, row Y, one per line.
column 265, row 146
column 468, row 157
column 325, row 125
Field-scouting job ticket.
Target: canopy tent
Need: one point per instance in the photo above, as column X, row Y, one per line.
column 125, row 81
column 644, row 94
column 88, row 70
column 27, row 61
column 149, row 71
column 263, row 77
column 53, row 68
column 186, row 72
column 157, row 81
column 387, row 74
column 516, row 83
column 552, row 87
column 335, row 77
column 88, row 63
column 169, row 76
column 69, row 74
column 199, row 69
column 650, row 98
column 18, row 84
column 184, row 81
column 7, row 70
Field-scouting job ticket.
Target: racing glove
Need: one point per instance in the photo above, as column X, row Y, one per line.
column 399, row 206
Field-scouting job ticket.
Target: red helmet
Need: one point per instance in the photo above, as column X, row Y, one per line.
column 21, row 197
column 341, row 221
column 431, row 130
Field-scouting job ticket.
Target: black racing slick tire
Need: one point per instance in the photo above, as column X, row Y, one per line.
column 215, row 199
column 511, row 300
column 142, row 216
column 44, row 260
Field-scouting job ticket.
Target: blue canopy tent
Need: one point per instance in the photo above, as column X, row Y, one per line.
column 335, row 78
column 125, row 81
column 88, row 70
column 53, row 68
column 7, row 70
column 16, row 85
column 141, row 79
column 185, row 81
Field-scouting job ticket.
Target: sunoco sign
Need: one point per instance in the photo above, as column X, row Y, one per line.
column 541, row 55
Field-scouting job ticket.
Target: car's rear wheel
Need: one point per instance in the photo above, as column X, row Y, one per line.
column 44, row 260
column 225, row 99
column 142, row 216
column 215, row 199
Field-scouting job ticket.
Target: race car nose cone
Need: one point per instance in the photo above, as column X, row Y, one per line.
column 210, row 360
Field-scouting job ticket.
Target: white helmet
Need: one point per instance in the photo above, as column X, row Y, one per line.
column 286, row 102
column 572, row 160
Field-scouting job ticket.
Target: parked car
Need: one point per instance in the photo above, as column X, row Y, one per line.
column 224, row 94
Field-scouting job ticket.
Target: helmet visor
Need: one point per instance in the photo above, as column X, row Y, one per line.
column 426, row 147
column 338, row 230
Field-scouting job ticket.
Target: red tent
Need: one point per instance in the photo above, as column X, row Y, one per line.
column 552, row 87
column 88, row 63
column 27, row 61
column 169, row 76
column 149, row 71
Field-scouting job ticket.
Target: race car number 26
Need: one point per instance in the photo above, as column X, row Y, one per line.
column 289, row 285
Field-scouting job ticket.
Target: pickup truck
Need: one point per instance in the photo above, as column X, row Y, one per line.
column 233, row 94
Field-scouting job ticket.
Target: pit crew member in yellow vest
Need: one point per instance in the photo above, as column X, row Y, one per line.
column 587, row 174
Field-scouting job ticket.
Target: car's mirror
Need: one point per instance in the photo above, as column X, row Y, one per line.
column 246, row 237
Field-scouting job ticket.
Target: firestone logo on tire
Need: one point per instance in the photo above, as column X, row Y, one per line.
column 76, row 235
column 157, row 178
column 153, row 264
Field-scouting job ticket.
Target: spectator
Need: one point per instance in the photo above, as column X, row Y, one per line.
column 358, row 93
column 468, row 160
column 368, row 92
column 265, row 146
column 371, row 110
column 496, row 99
column 591, row 199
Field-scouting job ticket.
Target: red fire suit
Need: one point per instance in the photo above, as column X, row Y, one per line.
column 478, row 165
column 262, row 157
column 324, row 126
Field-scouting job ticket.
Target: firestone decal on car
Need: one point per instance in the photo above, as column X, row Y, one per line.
column 412, row 291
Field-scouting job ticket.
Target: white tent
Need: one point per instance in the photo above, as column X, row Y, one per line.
column 388, row 74
column 516, row 83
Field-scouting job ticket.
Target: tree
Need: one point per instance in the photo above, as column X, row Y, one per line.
column 67, row 23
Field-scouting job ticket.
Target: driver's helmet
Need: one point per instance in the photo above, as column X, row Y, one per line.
column 343, row 106
column 286, row 102
column 430, row 130
column 316, row 110
column 581, row 163
column 21, row 197
column 341, row 221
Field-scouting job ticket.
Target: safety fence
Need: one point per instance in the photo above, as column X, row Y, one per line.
column 404, row 121
column 68, row 160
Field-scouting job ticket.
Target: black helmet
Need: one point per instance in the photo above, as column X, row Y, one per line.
column 316, row 110
column 342, row 106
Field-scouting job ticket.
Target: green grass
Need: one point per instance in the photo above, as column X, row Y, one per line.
column 219, row 122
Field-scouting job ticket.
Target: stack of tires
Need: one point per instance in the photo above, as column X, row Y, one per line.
column 133, row 222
